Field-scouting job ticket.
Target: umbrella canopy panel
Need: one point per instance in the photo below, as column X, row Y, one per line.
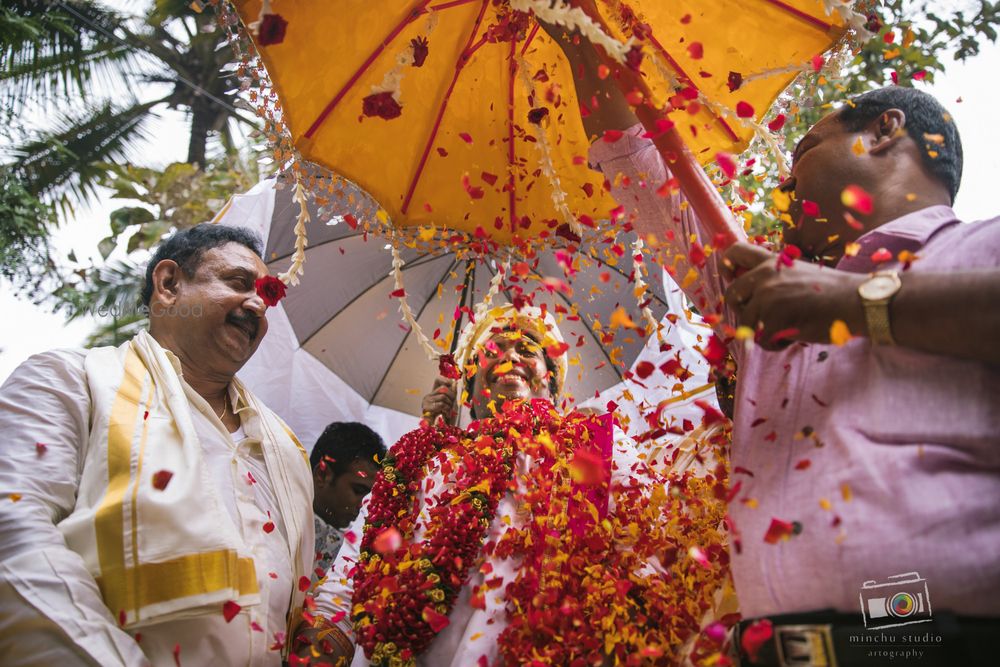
column 467, row 138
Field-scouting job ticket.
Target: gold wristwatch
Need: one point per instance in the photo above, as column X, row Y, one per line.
column 876, row 293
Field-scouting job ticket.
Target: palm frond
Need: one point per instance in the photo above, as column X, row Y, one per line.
column 53, row 49
column 64, row 164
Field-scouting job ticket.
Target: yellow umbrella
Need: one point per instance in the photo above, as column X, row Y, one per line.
column 462, row 113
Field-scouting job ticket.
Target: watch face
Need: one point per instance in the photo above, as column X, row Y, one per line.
column 879, row 287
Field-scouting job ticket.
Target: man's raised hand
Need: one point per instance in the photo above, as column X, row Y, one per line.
column 440, row 402
column 784, row 300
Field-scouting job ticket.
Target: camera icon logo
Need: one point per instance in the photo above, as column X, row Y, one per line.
column 901, row 600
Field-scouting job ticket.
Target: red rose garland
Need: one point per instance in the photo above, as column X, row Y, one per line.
column 583, row 590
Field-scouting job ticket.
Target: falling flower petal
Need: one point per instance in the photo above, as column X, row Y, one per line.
column 778, row 530
column 727, row 163
column 387, row 541
column 229, row 610
column 755, row 636
column 881, row 255
column 438, row 622
column 744, row 109
column 855, row 197
column 161, row 478
column 271, row 30
column 644, row 369
column 839, row 333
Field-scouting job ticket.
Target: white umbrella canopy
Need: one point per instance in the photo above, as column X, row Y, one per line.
column 344, row 315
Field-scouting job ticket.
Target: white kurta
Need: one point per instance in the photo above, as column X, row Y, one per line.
column 51, row 611
column 471, row 632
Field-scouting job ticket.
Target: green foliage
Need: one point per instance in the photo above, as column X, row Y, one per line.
column 24, row 228
column 79, row 55
column 160, row 202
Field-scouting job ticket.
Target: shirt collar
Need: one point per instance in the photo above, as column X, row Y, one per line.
column 236, row 398
column 909, row 232
column 918, row 226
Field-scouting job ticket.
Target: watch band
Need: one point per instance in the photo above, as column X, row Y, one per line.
column 877, row 318
column 876, row 293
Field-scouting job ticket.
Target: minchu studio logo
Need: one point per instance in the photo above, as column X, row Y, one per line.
column 903, row 599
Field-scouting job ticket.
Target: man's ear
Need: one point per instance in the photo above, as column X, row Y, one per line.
column 166, row 277
column 323, row 474
column 887, row 130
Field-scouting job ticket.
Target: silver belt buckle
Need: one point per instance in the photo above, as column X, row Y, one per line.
column 804, row 646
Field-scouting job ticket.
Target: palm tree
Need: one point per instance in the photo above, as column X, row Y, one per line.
column 115, row 72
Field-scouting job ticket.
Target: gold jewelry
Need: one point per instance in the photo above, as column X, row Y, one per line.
column 225, row 408
column 876, row 293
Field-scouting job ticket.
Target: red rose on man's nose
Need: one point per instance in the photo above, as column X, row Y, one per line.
column 270, row 289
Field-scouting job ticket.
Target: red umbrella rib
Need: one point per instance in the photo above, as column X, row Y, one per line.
column 798, row 13
column 512, row 68
column 463, row 58
column 418, row 9
column 680, row 70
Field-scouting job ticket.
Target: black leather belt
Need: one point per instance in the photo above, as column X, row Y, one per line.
column 832, row 639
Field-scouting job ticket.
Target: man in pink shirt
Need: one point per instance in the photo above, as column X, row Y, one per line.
column 869, row 470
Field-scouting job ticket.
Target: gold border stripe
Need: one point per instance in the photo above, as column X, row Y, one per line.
column 109, row 521
column 187, row 576
column 134, row 514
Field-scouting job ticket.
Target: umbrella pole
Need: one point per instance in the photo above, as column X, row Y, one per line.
column 699, row 190
column 470, row 266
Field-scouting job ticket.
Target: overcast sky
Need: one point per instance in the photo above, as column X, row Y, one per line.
column 968, row 90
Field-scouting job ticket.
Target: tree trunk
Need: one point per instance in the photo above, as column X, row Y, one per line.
column 202, row 115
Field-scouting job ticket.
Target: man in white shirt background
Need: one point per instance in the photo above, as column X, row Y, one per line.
column 344, row 462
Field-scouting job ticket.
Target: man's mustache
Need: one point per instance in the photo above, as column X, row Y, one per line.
column 246, row 321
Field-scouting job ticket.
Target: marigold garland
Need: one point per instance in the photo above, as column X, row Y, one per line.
column 586, row 588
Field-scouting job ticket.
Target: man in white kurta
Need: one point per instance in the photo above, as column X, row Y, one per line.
column 152, row 510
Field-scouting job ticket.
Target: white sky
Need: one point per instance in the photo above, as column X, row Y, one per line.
column 27, row 329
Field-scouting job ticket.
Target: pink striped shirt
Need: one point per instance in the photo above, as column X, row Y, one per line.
column 903, row 447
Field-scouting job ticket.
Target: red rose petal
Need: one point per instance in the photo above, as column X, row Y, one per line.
column 644, row 369
column 387, row 541
column 270, row 289
column 448, row 368
column 857, row 198
column 696, row 50
column 727, row 163
column 303, row 584
column 268, row 527
column 438, row 622
column 744, row 109
column 778, row 530
column 810, row 208
column 229, row 610
column 881, row 255
column 755, row 636
column 777, row 123
column 161, row 478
